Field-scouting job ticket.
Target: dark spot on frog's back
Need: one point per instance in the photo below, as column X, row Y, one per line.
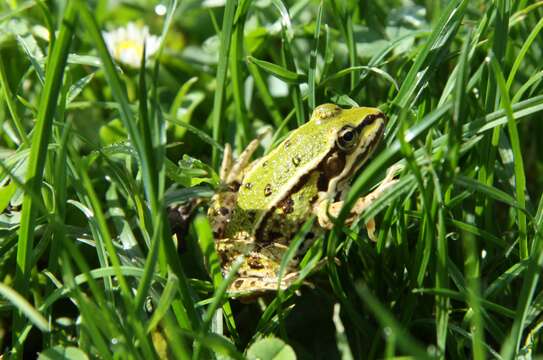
column 296, row 160
column 238, row 283
column 254, row 263
column 267, row 190
column 287, row 205
column 248, row 185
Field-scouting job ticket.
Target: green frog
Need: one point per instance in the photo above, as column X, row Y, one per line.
column 265, row 202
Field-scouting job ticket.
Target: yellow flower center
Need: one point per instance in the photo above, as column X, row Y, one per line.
column 125, row 47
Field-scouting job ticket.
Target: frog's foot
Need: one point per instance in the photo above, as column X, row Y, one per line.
column 327, row 211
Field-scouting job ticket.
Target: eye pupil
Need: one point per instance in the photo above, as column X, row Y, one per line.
column 348, row 136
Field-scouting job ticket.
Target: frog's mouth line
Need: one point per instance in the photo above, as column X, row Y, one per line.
column 372, row 143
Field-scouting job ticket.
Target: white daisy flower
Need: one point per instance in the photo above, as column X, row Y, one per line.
column 125, row 44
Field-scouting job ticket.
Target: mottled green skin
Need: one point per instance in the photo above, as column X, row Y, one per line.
column 290, row 170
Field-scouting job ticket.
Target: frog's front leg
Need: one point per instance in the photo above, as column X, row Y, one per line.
column 326, row 211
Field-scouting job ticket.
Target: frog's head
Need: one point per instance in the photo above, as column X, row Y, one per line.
column 354, row 134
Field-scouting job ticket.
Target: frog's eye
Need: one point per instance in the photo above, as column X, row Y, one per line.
column 347, row 138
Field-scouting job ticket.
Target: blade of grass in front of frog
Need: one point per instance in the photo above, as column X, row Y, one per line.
column 220, row 293
column 292, row 249
column 269, row 319
column 164, row 303
column 287, row 258
column 179, row 196
column 207, row 245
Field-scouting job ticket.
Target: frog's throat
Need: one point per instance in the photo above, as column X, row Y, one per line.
column 356, row 159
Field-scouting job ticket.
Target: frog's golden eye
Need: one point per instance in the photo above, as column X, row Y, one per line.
column 347, row 138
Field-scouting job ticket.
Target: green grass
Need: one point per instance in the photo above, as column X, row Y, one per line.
column 93, row 152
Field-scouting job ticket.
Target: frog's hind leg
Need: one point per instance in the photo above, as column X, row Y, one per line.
column 248, row 289
column 236, row 171
column 254, row 285
column 325, row 210
column 226, row 164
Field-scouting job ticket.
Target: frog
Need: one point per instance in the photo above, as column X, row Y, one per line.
column 263, row 203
